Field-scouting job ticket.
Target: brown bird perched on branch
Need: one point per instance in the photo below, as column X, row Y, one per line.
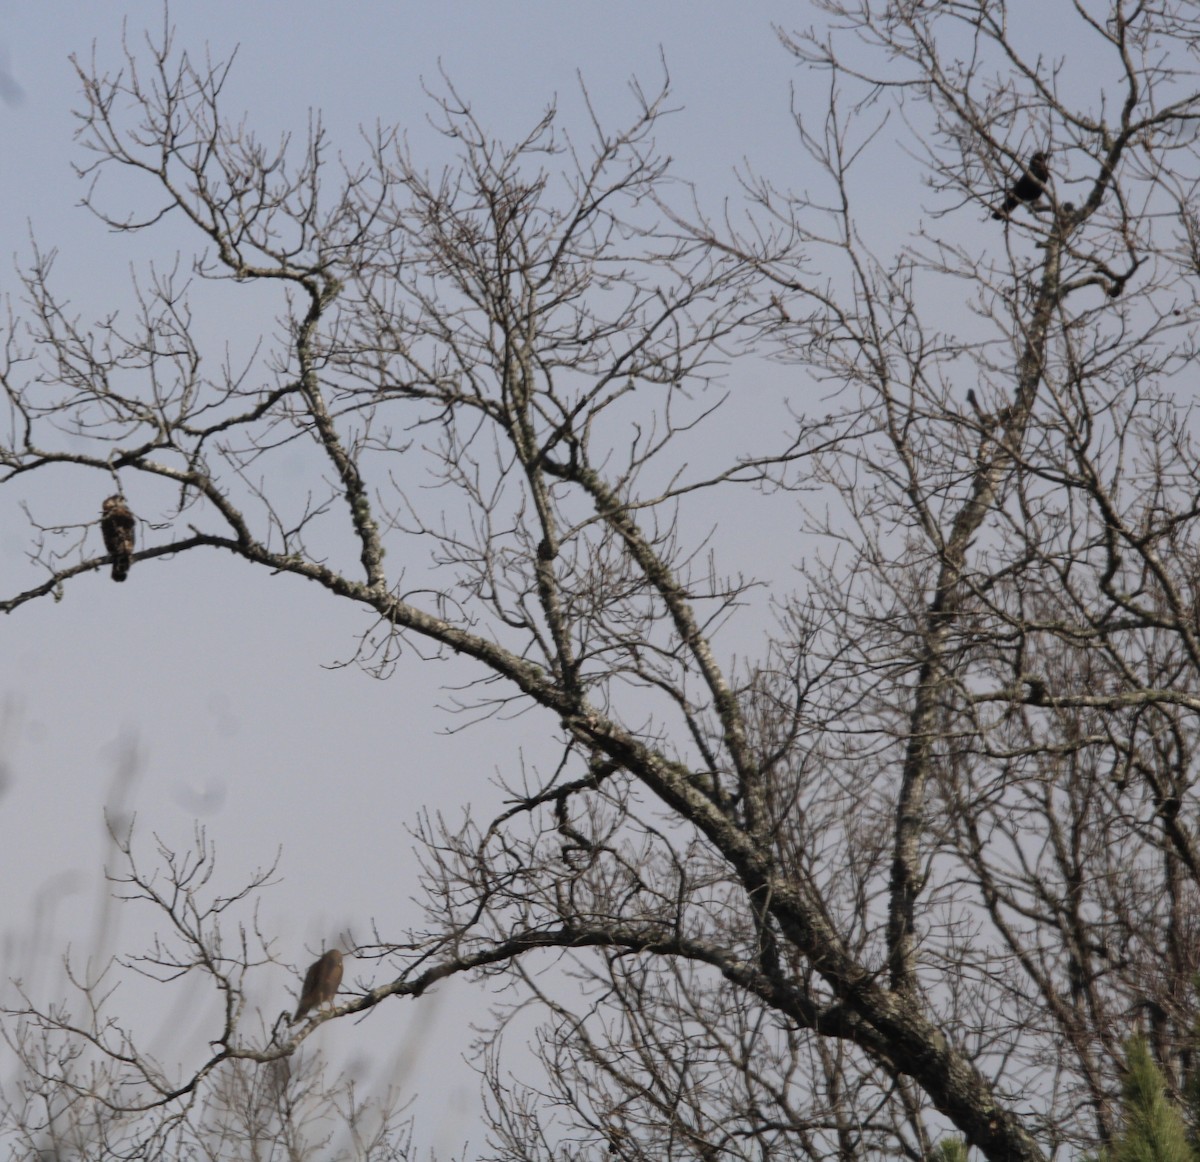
column 320, row 983
column 117, row 529
column 1028, row 187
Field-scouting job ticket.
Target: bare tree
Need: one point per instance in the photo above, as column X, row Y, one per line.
column 86, row 1089
column 920, row 867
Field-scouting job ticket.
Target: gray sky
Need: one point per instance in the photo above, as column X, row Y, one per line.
column 200, row 691
column 203, row 679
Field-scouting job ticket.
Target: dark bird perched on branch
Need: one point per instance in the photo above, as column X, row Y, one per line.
column 320, row 983
column 1028, row 187
column 117, row 529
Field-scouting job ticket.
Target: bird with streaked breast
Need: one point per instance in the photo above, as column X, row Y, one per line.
column 320, row 982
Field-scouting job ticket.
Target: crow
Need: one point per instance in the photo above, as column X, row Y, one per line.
column 1028, row 187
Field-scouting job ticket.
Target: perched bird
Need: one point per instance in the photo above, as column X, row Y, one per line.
column 117, row 528
column 1028, row 187
column 320, row 983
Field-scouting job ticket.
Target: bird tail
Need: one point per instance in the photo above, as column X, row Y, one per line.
column 120, row 569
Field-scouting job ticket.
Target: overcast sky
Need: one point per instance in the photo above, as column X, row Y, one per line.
column 197, row 692
column 204, row 691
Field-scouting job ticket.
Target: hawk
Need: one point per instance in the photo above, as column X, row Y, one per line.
column 1028, row 187
column 320, row 983
column 116, row 526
